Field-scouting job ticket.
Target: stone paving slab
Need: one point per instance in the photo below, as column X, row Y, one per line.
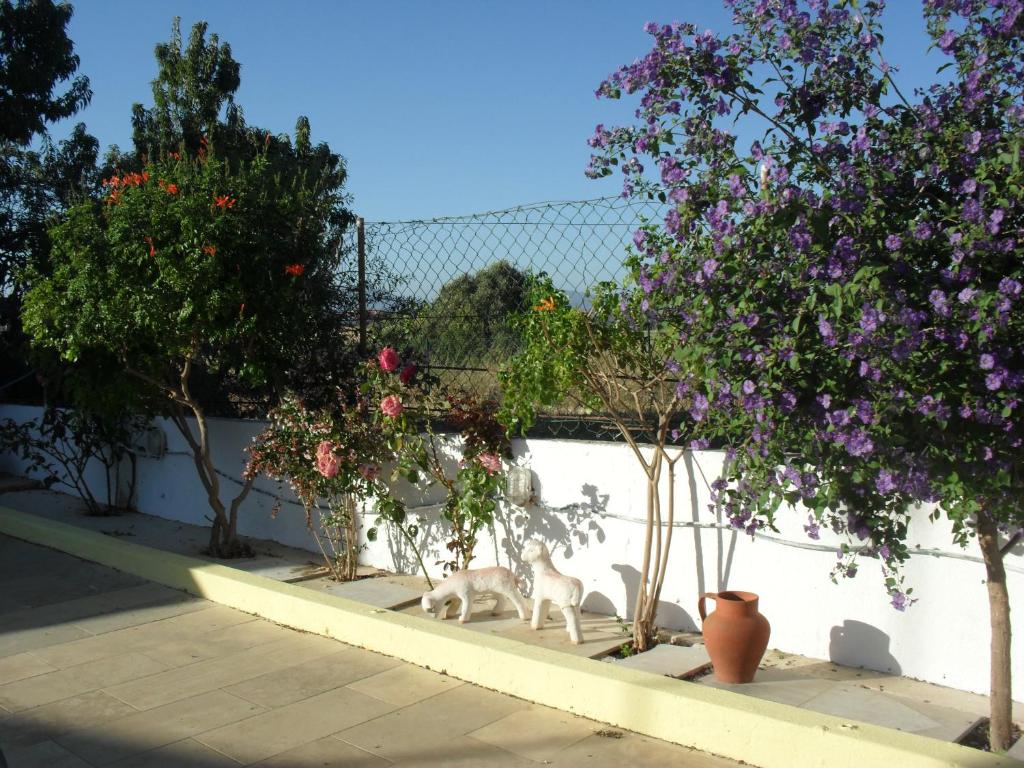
column 323, row 753
column 670, row 660
column 20, row 562
column 612, row 748
column 291, row 726
column 97, row 613
column 290, row 684
column 405, row 684
column 413, row 732
column 42, row 723
column 379, row 592
column 599, row 639
column 85, row 648
column 458, row 752
column 537, row 733
column 187, row 752
column 22, row 666
column 183, row 683
column 216, row 644
column 141, row 605
column 65, row 683
column 847, row 699
column 1017, row 750
column 143, row 731
column 19, row 641
column 44, row 754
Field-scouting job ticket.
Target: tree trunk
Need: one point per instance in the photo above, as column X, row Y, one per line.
column 1001, row 715
column 351, row 538
column 642, row 624
column 215, row 537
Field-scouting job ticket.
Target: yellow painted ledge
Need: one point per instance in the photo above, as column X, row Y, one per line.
column 761, row 733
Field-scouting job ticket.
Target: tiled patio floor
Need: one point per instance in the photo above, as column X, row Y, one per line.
column 813, row 684
column 100, row 668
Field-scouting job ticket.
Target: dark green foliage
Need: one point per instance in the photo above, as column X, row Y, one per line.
column 67, row 444
column 35, row 187
column 193, row 90
column 467, row 324
column 35, row 55
column 194, row 114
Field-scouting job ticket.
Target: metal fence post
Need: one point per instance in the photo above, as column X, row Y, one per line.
column 361, row 285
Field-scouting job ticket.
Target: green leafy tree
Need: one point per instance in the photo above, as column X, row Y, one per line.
column 194, row 108
column 609, row 361
column 468, row 324
column 35, row 55
column 847, row 291
column 35, row 187
column 193, row 95
column 186, row 265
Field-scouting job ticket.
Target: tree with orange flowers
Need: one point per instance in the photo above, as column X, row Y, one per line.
column 186, row 267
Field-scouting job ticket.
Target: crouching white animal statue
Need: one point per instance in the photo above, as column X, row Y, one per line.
column 550, row 586
column 464, row 585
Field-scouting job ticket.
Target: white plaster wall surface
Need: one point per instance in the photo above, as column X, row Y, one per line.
column 590, row 505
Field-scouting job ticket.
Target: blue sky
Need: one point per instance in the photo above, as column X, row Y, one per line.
column 440, row 108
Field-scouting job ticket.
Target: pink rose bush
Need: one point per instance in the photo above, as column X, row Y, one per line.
column 391, row 406
column 473, row 489
column 388, row 359
column 331, row 459
column 491, row 462
column 369, row 471
column 407, row 374
column 327, row 461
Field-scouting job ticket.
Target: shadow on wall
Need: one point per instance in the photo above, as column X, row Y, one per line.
column 856, row 644
column 423, row 509
column 428, row 538
column 669, row 616
column 573, row 528
column 724, row 553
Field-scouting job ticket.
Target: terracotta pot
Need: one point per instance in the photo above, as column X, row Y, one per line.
column 736, row 635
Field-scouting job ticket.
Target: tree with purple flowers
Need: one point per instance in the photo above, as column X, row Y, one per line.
column 846, row 289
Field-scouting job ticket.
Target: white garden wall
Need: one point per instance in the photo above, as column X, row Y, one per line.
column 590, row 508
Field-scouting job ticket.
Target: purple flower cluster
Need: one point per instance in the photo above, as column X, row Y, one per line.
column 854, row 288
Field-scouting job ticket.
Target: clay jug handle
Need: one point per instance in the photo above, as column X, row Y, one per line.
column 701, row 606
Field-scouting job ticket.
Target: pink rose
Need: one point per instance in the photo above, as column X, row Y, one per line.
column 388, row 359
column 391, row 406
column 327, row 463
column 369, row 471
column 490, row 462
column 407, row 373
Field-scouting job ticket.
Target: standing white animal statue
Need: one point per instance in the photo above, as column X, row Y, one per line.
column 550, row 586
column 465, row 585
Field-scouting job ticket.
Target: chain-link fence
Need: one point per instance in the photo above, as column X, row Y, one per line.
column 444, row 290
column 457, row 281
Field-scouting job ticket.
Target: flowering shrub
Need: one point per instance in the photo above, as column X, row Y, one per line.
column 606, row 359
column 847, row 289
column 326, row 455
column 190, row 264
column 67, row 443
column 409, row 407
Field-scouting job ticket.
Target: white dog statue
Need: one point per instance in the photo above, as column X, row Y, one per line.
column 465, row 585
column 550, row 586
